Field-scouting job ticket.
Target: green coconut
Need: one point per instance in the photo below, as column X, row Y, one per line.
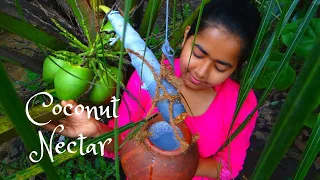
column 107, row 27
column 104, row 88
column 50, row 68
column 70, row 87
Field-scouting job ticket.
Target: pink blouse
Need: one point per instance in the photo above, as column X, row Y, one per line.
column 212, row 126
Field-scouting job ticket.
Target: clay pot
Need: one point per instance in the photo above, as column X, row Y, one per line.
column 141, row 160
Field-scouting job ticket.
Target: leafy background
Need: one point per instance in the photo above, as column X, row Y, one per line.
column 13, row 154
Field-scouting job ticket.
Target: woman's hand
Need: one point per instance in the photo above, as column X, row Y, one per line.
column 76, row 123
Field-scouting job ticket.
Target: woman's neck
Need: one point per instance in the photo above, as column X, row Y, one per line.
column 197, row 102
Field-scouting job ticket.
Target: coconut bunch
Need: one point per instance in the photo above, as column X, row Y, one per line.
column 87, row 71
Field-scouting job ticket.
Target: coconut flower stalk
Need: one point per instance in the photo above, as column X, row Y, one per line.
column 162, row 132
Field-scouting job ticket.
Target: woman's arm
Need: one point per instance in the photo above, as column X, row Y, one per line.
column 208, row 167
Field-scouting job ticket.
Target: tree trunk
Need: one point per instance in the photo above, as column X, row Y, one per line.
column 30, row 63
column 38, row 14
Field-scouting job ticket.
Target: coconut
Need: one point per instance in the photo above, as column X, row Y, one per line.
column 72, row 82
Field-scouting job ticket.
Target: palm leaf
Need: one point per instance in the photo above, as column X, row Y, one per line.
column 245, row 88
column 16, row 26
column 38, row 113
column 14, row 109
column 152, row 10
column 257, row 43
column 311, row 151
column 311, row 120
column 197, row 28
column 301, row 100
column 287, row 12
column 289, row 51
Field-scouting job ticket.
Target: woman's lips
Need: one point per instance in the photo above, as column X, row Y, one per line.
column 194, row 80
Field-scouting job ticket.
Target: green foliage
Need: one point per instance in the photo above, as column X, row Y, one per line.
column 22, row 162
column 36, row 169
column 286, row 78
column 179, row 32
column 310, row 37
column 1, row 111
column 85, row 18
column 87, row 168
column 155, row 41
column 310, row 120
column 32, row 84
column 82, row 167
column 269, row 162
column 302, row 99
column 150, row 16
column 247, row 81
column 271, row 69
column 186, row 11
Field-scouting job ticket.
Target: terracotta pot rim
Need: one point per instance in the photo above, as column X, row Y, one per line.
column 186, row 134
column 154, row 148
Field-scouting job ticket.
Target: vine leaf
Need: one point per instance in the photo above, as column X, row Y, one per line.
column 309, row 38
column 284, row 81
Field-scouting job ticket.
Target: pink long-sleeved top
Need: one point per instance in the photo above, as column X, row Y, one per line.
column 212, row 126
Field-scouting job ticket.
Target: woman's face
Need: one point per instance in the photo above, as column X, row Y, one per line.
column 214, row 58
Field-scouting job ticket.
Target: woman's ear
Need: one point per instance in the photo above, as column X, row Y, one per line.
column 186, row 31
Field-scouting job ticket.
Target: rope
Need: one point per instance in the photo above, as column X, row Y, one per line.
column 166, row 48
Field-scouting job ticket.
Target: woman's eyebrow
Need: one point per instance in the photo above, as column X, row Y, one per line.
column 224, row 63
column 201, row 49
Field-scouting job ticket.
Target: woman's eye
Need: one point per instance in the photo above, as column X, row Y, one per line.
column 197, row 56
column 219, row 69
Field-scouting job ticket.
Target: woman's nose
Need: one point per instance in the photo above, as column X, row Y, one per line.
column 203, row 70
